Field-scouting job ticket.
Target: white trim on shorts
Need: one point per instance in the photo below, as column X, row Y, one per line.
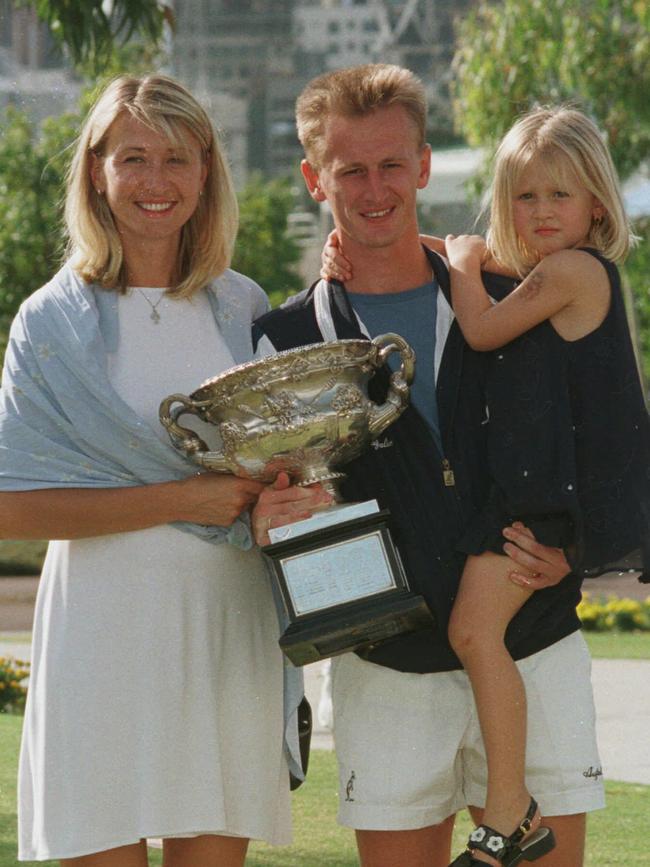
column 410, row 751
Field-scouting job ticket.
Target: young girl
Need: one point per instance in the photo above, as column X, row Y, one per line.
column 569, row 432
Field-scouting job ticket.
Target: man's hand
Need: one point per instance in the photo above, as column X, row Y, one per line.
column 283, row 503
column 540, row 565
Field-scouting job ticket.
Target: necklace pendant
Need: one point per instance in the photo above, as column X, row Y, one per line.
column 155, row 316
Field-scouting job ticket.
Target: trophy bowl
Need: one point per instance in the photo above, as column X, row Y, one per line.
column 304, row 411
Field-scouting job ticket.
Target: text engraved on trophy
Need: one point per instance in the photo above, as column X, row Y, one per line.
column 338, row 573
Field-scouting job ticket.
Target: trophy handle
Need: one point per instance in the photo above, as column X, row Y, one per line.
column 184, row 438
column 398, row 389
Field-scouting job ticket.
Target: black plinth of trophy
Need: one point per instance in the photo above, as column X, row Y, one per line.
column 344, row 588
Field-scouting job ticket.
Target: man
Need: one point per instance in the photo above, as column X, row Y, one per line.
column 407, row 738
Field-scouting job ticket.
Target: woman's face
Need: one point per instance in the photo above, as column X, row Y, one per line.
column 152, row 185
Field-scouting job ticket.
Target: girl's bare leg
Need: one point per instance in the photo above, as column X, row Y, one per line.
column 123, row 856
column 208, row 850
column 486, row 603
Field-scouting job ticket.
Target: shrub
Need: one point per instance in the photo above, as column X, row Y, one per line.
column 626, row 615
column 13, row 691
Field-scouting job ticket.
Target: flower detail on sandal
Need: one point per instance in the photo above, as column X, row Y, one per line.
column 495, row 844
column 522, row 844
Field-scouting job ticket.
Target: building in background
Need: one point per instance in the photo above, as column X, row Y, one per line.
column 247, row 61
column 265, row 51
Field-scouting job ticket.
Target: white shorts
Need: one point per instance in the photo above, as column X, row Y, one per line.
column 410, row 751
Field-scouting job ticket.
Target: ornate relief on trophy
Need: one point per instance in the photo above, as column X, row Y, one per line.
column 307, row 412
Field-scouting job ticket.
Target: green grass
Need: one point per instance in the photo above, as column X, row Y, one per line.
column 618, row 645
column 616, row 835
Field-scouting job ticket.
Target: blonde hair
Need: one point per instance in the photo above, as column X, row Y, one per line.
column 208, row 237
column 355, row 92
column 570, row 144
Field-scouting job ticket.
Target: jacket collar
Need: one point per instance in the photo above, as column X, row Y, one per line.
column 337, row 320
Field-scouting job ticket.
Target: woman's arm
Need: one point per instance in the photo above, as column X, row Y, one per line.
column 77, row 513
column 569, row 285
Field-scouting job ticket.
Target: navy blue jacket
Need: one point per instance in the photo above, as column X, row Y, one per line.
column 404, row 471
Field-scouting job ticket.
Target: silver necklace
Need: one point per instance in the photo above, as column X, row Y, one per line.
column 154, row 315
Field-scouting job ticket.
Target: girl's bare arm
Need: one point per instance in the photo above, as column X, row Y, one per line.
column 569, row 287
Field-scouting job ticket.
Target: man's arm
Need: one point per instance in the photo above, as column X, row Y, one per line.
column 535, row 566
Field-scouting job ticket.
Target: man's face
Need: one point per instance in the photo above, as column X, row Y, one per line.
column 371, row 170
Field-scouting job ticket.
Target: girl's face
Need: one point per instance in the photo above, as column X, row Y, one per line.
column 551, row 209
column 152, row 185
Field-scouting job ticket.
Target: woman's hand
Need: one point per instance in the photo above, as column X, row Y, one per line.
column 539, row 565
column 216, row 499
column 283, row 503
column 334, row 265
column 467, row 248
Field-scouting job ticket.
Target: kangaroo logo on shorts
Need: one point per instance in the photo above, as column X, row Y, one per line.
column 350, row 787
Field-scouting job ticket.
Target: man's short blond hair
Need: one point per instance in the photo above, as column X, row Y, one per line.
column 355, row 92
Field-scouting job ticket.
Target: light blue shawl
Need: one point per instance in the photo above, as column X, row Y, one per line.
column 62, row 424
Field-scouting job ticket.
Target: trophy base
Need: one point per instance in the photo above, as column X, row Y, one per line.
column 343, row 584
column 321, row 636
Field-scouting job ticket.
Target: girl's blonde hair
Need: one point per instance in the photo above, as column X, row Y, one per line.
column 208, row 237
column 569, row 144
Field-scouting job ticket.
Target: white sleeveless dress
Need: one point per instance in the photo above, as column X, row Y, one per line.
column 155, row 699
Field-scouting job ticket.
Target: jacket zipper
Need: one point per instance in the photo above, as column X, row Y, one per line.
column 448, row 474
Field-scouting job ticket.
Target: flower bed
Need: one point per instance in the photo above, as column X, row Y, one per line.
column 13, row 690
column 599, row 614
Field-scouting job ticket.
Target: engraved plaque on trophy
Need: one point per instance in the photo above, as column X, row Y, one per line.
column 306, row 411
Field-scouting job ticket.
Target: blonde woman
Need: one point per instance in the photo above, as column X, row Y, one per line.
column 155, row 701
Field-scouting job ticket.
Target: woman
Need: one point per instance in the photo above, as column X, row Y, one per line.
column 155, row 702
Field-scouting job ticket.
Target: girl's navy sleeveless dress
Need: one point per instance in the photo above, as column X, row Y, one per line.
column 569, row 443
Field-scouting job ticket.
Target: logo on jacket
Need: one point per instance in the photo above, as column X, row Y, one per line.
column 384, row 443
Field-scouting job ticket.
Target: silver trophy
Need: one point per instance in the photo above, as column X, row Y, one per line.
column 306, row 411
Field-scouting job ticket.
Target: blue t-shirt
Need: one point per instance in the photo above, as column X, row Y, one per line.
column 411, row 314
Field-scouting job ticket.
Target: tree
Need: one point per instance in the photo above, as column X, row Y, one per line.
column 265, row 250
column 31, row 180
column 515, row 53
column 595, row 54
column 92, row 30
column 637, row 271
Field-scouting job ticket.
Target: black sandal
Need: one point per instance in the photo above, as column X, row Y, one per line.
column 506, row 850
